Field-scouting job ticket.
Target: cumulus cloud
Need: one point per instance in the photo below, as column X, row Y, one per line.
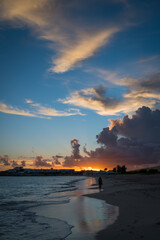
column 130, row 141
column 72, row 38
column 5, row 160
column 56, row 159
column 14, row 164
column 75, row 148
column 140, row 92
column 39, row 161
column 38, row 110
column 75, row 157
column 23, row 163
column 57, row 162
column 143, row 126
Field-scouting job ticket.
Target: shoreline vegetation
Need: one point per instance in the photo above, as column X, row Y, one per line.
column 138, row 198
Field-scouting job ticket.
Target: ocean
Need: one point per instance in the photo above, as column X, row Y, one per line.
column 52, row 208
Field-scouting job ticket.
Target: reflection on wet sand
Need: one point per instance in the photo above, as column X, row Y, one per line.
column 86, row 215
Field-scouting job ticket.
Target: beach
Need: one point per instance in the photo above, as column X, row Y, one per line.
column 73, row 208
column 138, row 199
column 52, row 208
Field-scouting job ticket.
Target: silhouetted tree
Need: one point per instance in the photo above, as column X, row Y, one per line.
column 123, row 169
column 114, row 169
column 105, row 169
column 118, row 169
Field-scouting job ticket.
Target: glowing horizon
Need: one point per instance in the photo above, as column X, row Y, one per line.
column 80, row 85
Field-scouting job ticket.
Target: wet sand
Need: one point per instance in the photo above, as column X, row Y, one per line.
column 138, row 199
column 85, row 216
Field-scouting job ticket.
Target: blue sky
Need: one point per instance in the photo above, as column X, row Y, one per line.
column 69, row 66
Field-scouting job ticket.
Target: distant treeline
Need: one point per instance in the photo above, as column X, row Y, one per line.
column 144, row 171
column 118, row 169
column 123, row 169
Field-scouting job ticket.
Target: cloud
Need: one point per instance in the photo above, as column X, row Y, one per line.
column 75, row 157
column 14, row 164
column 39, row 161
column 143, row 126
column 59, row 156
column 140, row 92
column 5, row 160
column 75, row 148
column 28, row 101
column 74, row 38
column 39, row 111
column 14, row 110
column 144, row 60
column 51, row 112
column 94, row 99
column 23, row 163
column 85, row 48
column 133, row 141
column 57, row 162
column 107, row 137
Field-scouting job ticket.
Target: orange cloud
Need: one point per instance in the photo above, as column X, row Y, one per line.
column 48, row 19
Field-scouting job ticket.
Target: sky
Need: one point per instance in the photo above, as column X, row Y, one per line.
column 80, row 83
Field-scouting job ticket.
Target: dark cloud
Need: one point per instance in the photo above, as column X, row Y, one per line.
column 41, row 162
column 75, row 148
column 14, row 164
column 138, row 93
column 151, row 83
column 75, row 157
column 144, row 126
column 131, row 141
column 107, row 137
column 23, row 163
column 57, row 162
column 5, row 160
column 57, row 156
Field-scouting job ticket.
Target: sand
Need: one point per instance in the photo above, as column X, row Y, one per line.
column 138, row 199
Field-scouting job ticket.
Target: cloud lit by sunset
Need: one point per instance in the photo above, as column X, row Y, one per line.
column 80, row 84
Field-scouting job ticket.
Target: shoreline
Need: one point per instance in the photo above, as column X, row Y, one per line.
column 86, row 216
column 138, row 199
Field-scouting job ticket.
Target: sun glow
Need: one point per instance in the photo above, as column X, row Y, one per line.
column 86, row 169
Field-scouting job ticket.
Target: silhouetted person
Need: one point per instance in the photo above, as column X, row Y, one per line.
column 100, row 182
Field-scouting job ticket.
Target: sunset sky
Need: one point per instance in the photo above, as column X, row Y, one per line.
column 80, row 83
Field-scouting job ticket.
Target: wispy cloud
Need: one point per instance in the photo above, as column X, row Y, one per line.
column 145, row 60
column 37, row 110
column 28, row 101
column 83, row 49
column 140, row 92
column 72, row 40
column 14, row 110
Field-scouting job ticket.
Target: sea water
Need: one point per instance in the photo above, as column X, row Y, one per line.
column 51, row 208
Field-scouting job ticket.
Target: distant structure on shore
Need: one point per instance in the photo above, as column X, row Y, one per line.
column 20, row 171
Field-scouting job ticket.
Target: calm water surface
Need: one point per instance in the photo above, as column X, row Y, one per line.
column 51, row 208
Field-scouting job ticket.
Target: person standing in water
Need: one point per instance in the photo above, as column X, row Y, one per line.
column 100, row 183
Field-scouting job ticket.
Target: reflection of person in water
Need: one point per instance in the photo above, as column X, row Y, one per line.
column 100, row 182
